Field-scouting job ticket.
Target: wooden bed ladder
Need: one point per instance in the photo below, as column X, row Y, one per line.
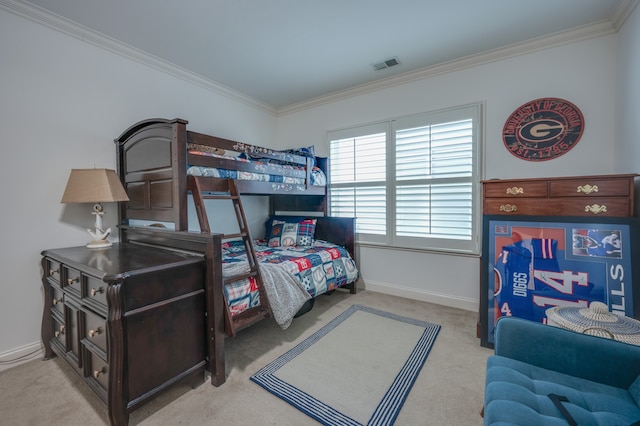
column 225, row 189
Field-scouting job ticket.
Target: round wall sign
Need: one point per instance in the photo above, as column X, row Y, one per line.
column 543, row 129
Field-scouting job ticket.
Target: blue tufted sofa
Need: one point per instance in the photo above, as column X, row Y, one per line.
column 599, row 378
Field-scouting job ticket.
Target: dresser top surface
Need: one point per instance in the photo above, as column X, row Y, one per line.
column 536, row 179
column 120, row 260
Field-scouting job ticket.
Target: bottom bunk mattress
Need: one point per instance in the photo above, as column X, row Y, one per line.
column 291, row 275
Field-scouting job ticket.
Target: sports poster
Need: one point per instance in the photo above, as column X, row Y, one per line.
column 532, row 265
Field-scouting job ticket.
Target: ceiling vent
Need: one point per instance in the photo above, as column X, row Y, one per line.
column 387, row 63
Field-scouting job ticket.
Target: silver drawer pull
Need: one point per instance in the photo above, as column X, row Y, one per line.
column 60, row 332
column 52, row 272
column 98, row 373
column 587, row 189
column 70, row 281
column 595, row 209
column 92, row 332
column 56, row 301
column 95, row 291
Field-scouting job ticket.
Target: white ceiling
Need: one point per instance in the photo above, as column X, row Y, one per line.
column 283, row 52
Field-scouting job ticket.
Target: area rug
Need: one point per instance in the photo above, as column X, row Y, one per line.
column 356, row 370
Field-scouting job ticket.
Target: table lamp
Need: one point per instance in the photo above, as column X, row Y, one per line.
column 94, row 186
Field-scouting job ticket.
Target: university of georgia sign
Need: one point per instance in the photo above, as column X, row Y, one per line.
column 543, row 129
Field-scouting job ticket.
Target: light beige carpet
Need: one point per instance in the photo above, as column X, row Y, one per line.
column 448, row 391
column 374, row 358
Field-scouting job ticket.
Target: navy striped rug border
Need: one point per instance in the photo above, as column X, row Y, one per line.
column 388, row 408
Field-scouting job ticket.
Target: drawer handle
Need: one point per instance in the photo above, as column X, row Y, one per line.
column 56, row 301
column 508, row 208
column 60, row 332
column 515, row 190
column 587, row 189
column 52, row 272
column 595, row 209
column 70, row 281
column 95, row 291
column 98, row 373
column 92, row 333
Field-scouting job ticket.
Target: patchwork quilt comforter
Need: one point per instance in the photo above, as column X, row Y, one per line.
column 318, row 178
column 291, row 275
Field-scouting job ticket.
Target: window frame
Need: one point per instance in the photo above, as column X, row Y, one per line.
column 389, row 127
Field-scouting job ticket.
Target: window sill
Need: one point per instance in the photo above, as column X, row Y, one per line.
column 444, row 252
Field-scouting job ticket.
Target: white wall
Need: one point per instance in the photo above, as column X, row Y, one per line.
column 627, row 149
column 62, row 103
column 582, row 72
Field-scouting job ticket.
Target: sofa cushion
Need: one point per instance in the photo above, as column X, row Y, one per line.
column 634, row 390
column 517, row 393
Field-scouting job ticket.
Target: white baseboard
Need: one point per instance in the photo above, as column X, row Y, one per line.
column 424, row 296
column 20, row 355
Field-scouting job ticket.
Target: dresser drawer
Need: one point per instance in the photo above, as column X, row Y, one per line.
column 71, row 279
column 591, row 188
column 592, row 206
column 95, row 293
column 595, row 207
column 589, row 196
column 53, row 270
column 59, row 333
column 97, row 372
column 57, row 300
column 515, row 189
column 95, row 330
column 520, row 207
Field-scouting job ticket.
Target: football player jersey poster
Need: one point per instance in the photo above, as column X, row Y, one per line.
column 532, row 265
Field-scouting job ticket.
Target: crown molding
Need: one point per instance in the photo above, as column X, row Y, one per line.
column 597, row 29
column 73, row 29
column 622, row 12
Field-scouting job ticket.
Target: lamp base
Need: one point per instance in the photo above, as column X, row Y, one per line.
column 99, row 244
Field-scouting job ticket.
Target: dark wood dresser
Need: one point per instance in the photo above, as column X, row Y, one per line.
column 576, row 196
column 128, row 319
column 607, row 195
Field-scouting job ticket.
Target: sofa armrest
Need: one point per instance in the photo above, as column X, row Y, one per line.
column 580, row 355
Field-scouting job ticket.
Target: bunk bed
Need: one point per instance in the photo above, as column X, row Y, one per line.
column 160, row 163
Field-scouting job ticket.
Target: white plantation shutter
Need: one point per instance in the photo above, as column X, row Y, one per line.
column 433, row 192
column 358, row 180
column 415, row 184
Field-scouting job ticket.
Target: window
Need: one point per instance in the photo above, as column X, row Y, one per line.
column 411, row 182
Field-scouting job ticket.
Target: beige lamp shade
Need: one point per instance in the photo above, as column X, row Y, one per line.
column 93, row 186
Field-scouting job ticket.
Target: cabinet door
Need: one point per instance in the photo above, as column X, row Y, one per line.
column 72, row 334
column 65, row 339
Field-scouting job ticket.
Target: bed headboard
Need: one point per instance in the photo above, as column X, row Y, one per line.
column 338, row 230
column 151, row 160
